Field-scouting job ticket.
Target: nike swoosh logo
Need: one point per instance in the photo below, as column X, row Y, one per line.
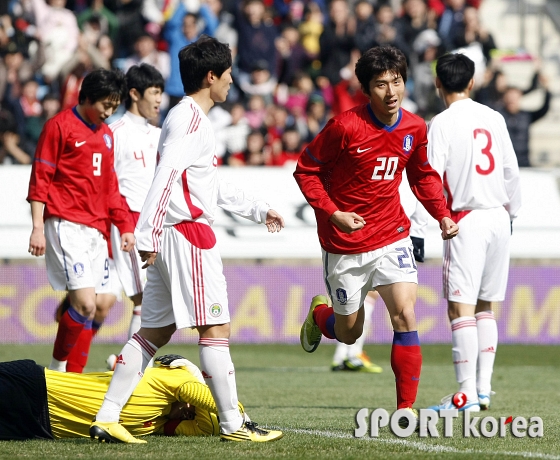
column 363, row 150
column 79, row 144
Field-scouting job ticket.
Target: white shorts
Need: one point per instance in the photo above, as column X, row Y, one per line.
column 114, row 286
column 186, row 286
column 476, row 261
column 128, row 266
column 76, row 257
column 349, row 277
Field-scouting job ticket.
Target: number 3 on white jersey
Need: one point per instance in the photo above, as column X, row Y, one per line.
column 97, row 164
column 386, row 169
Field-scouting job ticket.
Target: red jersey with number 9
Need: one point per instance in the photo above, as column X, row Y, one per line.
column 355, row 164
column 73, row 174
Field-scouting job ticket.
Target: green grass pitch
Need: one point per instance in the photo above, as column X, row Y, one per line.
column 284, row 387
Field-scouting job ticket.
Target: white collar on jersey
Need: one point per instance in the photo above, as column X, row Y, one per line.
column 138, row 120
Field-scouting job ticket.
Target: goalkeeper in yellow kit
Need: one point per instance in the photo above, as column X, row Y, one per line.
column 37, row 403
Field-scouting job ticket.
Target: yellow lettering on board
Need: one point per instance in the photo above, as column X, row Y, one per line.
column 253, row 313
column 525, row 315
column 294, row 315
column 430, row 297
column 6, row 292
column 28, row 313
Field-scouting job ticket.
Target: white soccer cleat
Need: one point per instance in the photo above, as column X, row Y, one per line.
column 484, row 400
column 447, row 403
column 111, row 362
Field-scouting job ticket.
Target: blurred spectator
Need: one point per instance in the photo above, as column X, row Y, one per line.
column 182, row 29
column 257, row 35
column 518, row 121
column 337, row 40
column 256, row 111
column 259, row 81
column 50, row 106
column 225, row 32
column 416, row 18
column 292, row 57
column 107, row 50
column 14, row 69
column 233, row 138
column 348, row 92
column 290, row 148
column 107, row 20
column 365, row 25
column 310, row 30
column 387, row 29
column 255, row 153
column 26, row 106
column 451, row 23
column 131, row 25
column 277, row 121
column 316, row 117
column 295, row 96
column 11, row 152
column 474, row 32
column 57, row 29
column 426, row 51
column 146, row 52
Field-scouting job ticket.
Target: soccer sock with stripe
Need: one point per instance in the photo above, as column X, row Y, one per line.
column 219, row 374
column 131, row 363
column 77, row 359
column 135, row 321
column 324, row 318
column 487, row 346
column 406, row 361
column 69, row 328
column 465, row 354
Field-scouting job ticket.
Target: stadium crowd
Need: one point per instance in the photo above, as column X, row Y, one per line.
column 293, row 62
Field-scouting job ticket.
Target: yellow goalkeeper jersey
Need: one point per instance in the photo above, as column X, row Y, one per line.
column 74, row 400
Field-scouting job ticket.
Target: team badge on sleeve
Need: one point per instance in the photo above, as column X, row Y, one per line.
column 407, row 142
column 108, row 141
column 341, row 296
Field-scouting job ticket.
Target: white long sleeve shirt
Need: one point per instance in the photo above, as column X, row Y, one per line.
column 186, row 186
column 469, row 146
column 136, row 143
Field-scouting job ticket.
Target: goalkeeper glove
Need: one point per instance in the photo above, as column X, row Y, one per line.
column 418, row 251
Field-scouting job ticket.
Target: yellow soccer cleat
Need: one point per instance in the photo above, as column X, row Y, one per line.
column 250, row 432
column 404, row 421
column 112, row 432
column 310, row 334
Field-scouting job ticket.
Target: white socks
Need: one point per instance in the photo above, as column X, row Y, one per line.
column 131, row 363
column 487, row 346
column 135, row 321
column 57, row 365
column 465, row 353
column 219, row 374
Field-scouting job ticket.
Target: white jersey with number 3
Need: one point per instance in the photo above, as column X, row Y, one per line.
column 136, row 143
column 469, row 146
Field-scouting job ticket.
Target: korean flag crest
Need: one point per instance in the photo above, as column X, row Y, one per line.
column 407, row 142
column 108, row 141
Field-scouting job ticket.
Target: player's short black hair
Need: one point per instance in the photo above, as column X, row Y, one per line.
column 141, row 77
column 454, row 71
column 200, row 57
column 102, row 83
column 378, row 60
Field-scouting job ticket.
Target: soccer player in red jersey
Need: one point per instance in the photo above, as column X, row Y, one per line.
column 350, row 174
column 73, row 192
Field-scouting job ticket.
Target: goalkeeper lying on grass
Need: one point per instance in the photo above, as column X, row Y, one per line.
column 171, row 399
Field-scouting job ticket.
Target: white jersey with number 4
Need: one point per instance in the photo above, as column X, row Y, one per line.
column 186, row 187
column 469, row 146
column 136, row 143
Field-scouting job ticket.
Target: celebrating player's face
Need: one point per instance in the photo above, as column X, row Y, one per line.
column 97, row 112
column 386, row 95
column 220, row 88
column 148, row 104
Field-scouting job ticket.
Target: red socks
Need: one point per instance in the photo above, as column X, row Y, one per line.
column 70, row 326
column 77, row 359
column 406, row 361
column 324, row 318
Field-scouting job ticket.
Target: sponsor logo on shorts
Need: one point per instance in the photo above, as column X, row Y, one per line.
column 341, row 296
column 79, row 269
column 407, row 142
column 215, row 310
column 108, row 141
column 456, row 292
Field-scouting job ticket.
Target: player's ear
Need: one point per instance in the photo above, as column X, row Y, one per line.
column 438, row 83
column 471, row 84
column 134, row 94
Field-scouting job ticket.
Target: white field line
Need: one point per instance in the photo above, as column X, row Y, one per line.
column 421, row 446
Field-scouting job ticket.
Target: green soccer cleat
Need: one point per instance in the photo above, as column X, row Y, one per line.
column 361, row 363
column 310, row 335
column 404, row 421
column 112, row 432
column 249, row 431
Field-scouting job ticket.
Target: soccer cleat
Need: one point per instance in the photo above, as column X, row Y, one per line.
column 484, row 400
column 403, row 421
column 249, row 431
column 338, row 367
column 310, row 335
column 447, row 403
column 111, row 362
column 112, row 432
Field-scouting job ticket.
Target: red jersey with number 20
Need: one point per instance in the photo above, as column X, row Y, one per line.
column 73, row 174
column 355, row 165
